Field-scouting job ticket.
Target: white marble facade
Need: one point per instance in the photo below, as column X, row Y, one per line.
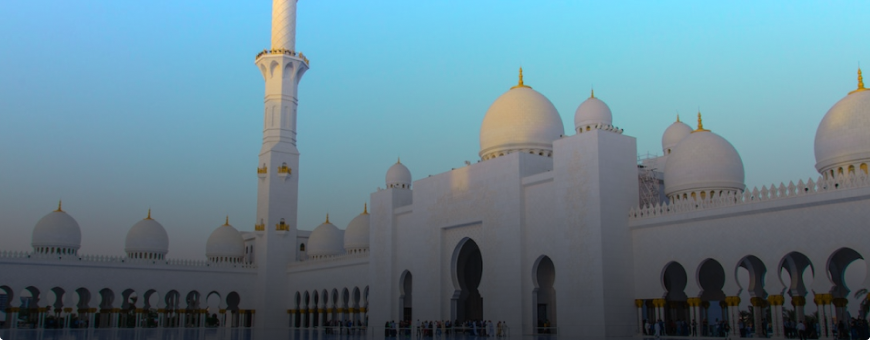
column 545, row 226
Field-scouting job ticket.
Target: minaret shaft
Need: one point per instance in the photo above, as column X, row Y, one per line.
column 277, row 168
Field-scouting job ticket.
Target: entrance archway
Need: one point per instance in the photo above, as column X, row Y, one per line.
column 467, row 303
column 406, row 298
column 544, row 295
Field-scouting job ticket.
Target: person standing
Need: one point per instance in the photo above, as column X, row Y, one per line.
column 658, row 329
column 802, row 330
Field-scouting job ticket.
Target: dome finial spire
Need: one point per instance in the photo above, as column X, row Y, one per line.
column 860, row 82
column 365, row 208
column 327, row 218
column 700, row 124
column 520, row 83
column 592, row 93
column 227, row 221
column 59, row 202
column 678, row 118
column 149, row 214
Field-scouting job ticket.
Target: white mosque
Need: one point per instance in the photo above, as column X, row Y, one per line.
column 565, row 229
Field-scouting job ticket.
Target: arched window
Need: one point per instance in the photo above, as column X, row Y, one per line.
column 302, row 247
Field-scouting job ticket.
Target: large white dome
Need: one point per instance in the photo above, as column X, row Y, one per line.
column 398, row 176
column 325, row 240
column 703, row 162
column 842, row 139
column 225, row 244
column 521, row 120
column 592, row 113
column 56, row 233
column 147, row 239
column 356, row 236
column 674, row 134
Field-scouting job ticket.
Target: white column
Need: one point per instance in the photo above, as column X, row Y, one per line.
column 91, row 317
column 639, row 304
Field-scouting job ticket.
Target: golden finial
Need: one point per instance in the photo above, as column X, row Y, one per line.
column 860, row 82
column 520, row 83
column 327, row 218
column 227, row 221
column 149, row 214
column 678, row 118
column 365, row 208
column 399, row 160
column 592, row 95
column 58, row 206
column 700, row 124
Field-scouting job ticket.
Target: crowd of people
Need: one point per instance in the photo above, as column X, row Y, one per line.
column 854, row 329
column 437, row 328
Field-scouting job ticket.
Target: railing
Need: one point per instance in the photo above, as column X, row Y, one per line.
column 821, row 185
column 24, row 255
column 282, row 51
column 328, row 259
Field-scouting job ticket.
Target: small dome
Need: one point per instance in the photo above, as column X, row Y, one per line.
column 147, row 239
column 591, row 113
column 55, row 233
column 356, row 236
column 325, row 240
column 225, row 244
column 842, row 140
column 674, row 134
column 520, row 120
column 703, row 162
column 398, row 176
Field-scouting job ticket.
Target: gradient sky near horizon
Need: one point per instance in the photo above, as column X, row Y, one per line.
column 121, row 106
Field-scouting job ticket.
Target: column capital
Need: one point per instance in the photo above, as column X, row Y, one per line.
column 757, row 301
column 639, row 303
column 840, row 302
column 732, row 301
column 798, row 301
column 775, row 300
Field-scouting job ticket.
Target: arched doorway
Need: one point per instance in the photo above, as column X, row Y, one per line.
column 544, row 296
column 794, row 274
column 674, row 280
column 711, row 279
column 406, row 296
column 838, row 265
column 467, row 303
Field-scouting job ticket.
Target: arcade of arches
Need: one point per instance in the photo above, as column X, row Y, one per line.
column 327, row 308
column 110, row 308
column 752, row 304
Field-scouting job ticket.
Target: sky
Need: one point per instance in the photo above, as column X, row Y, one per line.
column 116, row 107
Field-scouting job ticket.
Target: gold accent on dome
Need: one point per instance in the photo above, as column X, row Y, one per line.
column 592, row 94
column 227, row 222
column 149, row 214
column 678, row 118
column 327, row 218
column 520, row 83
column 860, row 83
column 365, row 208
column 59, row 202
column 700, row 125
column 399, row 160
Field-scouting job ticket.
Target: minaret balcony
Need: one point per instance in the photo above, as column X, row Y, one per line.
column 259, row 227
column 284, row 171
column 282, row 51
column 261, row 172
column 282, row 226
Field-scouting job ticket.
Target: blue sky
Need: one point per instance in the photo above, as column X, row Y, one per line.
column 120, row 106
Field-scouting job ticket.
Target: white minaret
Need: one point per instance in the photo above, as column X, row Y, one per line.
column 278, row 169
